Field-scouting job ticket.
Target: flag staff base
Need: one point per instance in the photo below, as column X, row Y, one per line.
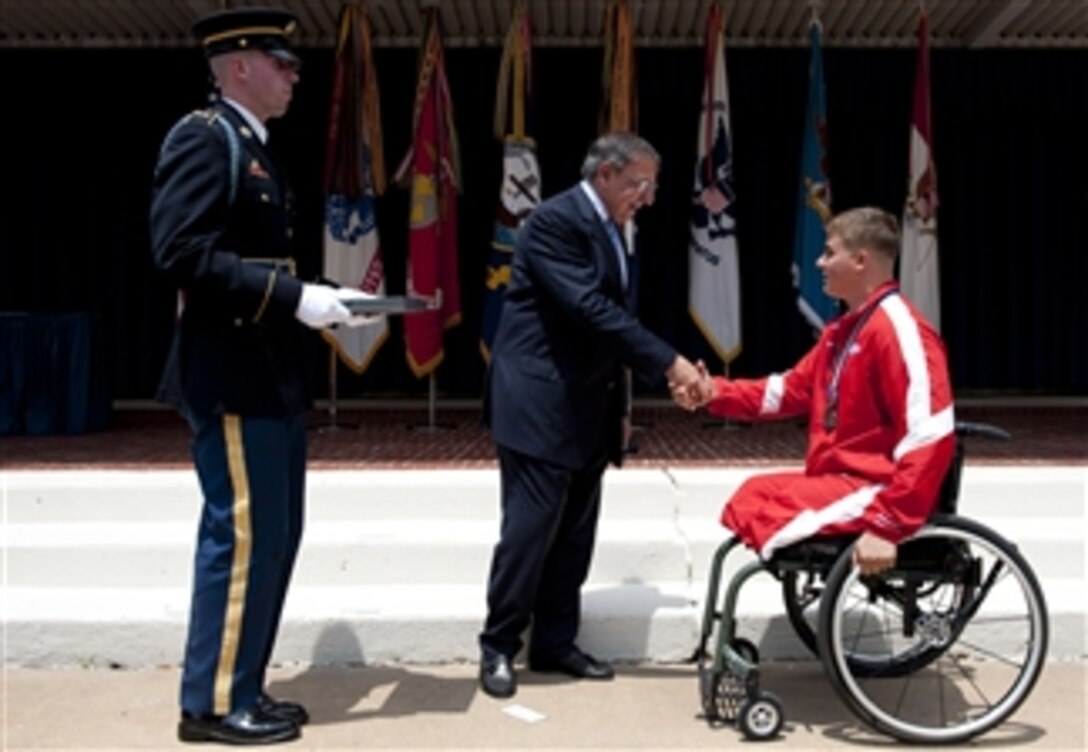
column 431, row 426
column 334, row 423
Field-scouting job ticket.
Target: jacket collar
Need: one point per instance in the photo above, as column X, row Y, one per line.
column 865, row 309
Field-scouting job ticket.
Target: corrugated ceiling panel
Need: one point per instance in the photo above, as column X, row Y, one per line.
column 1034, row 18
column 147, row 23
column 737, row 23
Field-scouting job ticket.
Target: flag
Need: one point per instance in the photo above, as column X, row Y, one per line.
column 619, row 105
column 619, row 112
column 713, row 274
column 814, row 196
column 432, row 172
column 919, row 275
column 520, row 189
column 354, row 175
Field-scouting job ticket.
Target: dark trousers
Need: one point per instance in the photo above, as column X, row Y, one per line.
column 549, row 525
column 252, row 474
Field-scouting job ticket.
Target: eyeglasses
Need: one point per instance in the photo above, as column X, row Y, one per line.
column 640, row 185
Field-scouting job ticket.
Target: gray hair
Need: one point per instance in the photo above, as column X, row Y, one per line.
column 618, row 149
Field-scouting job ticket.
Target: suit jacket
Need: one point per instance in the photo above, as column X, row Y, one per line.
column 554, row 386
column 237, row 346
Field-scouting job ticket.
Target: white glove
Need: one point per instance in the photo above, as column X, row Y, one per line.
column 320, row 306
column 360, row 319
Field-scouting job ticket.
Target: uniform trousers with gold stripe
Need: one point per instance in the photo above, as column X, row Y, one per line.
column 251, row 472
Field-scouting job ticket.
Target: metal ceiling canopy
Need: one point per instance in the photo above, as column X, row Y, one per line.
column 565, row 23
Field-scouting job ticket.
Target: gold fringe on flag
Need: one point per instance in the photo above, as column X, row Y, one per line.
column 372, row 109
column 515, row 65
column 619, row 105
column 354, row 79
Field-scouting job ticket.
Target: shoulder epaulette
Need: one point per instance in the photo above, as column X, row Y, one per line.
column 234, row 148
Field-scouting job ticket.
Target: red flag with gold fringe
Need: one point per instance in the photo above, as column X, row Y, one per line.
column 432, row 173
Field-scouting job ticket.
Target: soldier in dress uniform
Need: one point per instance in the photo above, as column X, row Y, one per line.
column 221, row 231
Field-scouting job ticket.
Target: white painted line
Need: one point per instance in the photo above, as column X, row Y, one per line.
column 523, row 713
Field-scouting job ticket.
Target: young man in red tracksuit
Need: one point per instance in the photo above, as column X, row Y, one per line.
column 876, row 390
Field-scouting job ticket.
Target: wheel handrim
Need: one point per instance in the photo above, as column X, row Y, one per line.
column 1010, row 672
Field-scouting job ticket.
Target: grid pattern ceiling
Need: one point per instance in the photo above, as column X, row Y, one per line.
column 853, row 23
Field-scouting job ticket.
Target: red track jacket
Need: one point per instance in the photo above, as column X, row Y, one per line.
column 891, row 427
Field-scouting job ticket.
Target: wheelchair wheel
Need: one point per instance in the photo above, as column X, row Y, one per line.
column 943, row 647
column 801, row 594
column 760, row 717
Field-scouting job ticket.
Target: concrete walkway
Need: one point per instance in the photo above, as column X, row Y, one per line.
column 378, row 638
column 648, row 706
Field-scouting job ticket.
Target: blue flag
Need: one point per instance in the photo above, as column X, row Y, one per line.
column 814, row 197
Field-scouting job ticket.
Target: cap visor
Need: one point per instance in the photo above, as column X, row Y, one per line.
column 285, row 55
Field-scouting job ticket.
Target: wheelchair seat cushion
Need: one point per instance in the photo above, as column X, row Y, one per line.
column 819, row 552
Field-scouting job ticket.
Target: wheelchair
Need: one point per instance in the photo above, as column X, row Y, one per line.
column 942, row 647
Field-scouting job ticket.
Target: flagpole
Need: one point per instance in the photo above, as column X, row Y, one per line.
column 333, row 423
column 725, row 424
column 432, row 425
column 432, row 398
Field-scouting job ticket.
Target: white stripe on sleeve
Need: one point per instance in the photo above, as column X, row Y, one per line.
column 923, row 427
column 772, row 395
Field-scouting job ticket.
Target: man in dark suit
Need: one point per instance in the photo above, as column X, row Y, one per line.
column 221, row 231
column 556, row 403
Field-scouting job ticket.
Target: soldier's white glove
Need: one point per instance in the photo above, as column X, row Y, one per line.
column 321, row 306
column 360, row 319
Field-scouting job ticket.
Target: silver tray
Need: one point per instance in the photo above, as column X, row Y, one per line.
column 389, row 304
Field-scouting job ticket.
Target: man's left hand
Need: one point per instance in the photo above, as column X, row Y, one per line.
column 873, row 554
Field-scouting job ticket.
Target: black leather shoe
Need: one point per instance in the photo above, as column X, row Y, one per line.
column 249, row 726
column 497, row 677
column 575, row 663
column 288, row 711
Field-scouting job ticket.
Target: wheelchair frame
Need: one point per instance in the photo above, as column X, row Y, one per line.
column 950, row 567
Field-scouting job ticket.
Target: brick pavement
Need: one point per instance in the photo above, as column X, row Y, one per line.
column 391, row 437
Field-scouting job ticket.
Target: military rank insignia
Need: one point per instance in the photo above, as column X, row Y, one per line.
column 257, row 171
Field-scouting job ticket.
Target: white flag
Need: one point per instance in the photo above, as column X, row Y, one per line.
column 353, row 259
column 713, row 272
column 919, row 273
column 354, row 175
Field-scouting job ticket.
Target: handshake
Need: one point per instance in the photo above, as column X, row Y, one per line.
column 321, row 306
column 690, row 384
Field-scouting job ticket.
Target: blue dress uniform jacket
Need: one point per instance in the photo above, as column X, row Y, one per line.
column 555, row 387
column 237, row 347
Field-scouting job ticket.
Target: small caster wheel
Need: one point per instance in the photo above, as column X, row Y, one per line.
column 746, row 649
column 760, row 717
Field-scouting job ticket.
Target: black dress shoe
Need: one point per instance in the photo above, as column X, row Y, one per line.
column 497, row 677
column 575, row 663
column 249, row 726
column 288, row 711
